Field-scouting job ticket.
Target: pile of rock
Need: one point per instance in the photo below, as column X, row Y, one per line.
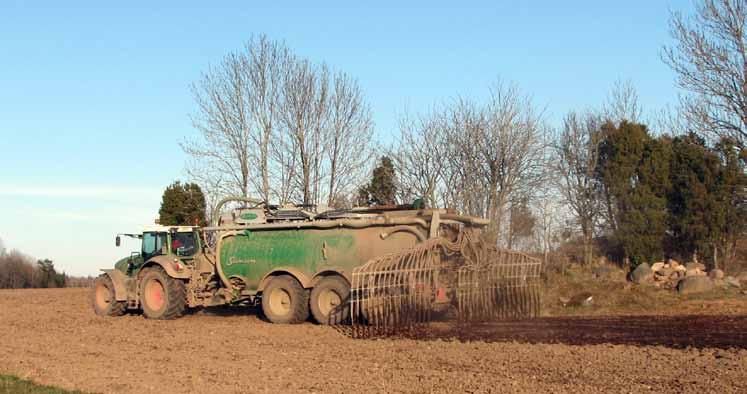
column 686, row 278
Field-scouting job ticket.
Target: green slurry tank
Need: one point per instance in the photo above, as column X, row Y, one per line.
column 353, row 266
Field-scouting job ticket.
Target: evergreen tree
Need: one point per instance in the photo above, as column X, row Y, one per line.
column 706, row 202
column 634, row 172
column 60, row 280
column 182, row 204
column 696, row 215
column 382, row 188
column 732, row 184
column 47, row 274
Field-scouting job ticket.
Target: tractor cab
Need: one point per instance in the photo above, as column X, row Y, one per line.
column 181, row 242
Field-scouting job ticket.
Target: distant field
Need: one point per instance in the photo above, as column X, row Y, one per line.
column 53, row 338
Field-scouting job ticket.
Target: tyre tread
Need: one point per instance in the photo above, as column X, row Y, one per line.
column 117, row 308
column 298, row 294
column 176, row 293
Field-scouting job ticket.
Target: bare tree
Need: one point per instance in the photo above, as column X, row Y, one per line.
column 277, row 126
column 421, row 157
column 465, row 188
column 550, row 213
column 622, row 103
column 266, row 62
column 237, row 112
column 284, row 154
column 479, row 159
column 710, row 59
column 221, row 159
column 576, row 158
column 348, row 140
column 510, row 153
column 304, row 115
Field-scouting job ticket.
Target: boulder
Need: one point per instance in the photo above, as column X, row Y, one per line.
column 733, row 282
column 665, row 272
column 657, row 266
column 716, row 274
column 581, row 299
column 690, row 266
column 680, row 268
column 673, row 263
column 642, row 274
column 695, row 284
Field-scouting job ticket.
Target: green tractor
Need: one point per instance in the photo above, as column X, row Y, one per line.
column 380, row 266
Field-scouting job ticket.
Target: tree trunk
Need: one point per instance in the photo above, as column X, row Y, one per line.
column 715, row 257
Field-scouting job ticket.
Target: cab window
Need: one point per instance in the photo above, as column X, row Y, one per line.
column 183, row 243
column 153, row 243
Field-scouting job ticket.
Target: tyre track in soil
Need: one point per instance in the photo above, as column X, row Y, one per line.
column 52, row 337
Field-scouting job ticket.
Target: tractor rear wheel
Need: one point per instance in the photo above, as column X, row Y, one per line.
column 103, row 298
column 285, row 301
column 162, row 296
column 330, row 300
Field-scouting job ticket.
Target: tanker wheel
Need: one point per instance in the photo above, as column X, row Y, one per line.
column 330, row 300
column 162, row 296
column 103, row 298
column 285, row 301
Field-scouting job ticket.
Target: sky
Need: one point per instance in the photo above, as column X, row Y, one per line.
column 94, row 96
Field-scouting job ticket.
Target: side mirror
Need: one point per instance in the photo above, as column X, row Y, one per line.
column 118, row 241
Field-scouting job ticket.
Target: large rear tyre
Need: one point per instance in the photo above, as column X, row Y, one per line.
column 103, row 298
column 330, row 300
column 162, row 296
column 285, row 301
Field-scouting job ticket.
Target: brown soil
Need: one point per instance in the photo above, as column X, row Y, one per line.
column 53, row 337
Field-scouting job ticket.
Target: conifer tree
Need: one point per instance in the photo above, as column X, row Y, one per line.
column 182, row 204
column 634, row 171
column 695, row 214
column 382, row 189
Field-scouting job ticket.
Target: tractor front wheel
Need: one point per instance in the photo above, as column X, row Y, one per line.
column 103, row 298
column 285, row 301
column 162, row 296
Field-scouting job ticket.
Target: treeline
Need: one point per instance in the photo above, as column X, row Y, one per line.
column 18, row 271
column 630, row 195
column 650, row 197
column 278, row 127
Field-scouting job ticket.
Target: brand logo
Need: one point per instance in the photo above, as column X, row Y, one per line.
column 233, row 260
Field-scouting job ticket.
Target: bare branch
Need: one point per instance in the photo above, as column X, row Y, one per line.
column 710, row 60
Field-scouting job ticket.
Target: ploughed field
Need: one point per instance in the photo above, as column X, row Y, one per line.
column 51, row 336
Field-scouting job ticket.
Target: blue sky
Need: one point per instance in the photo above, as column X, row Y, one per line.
column 94, row 98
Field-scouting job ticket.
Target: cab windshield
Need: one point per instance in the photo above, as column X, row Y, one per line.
column 183, row 244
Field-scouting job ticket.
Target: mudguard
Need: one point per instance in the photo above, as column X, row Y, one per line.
column 281, row 270
column 120, row 283
column 167, row 263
